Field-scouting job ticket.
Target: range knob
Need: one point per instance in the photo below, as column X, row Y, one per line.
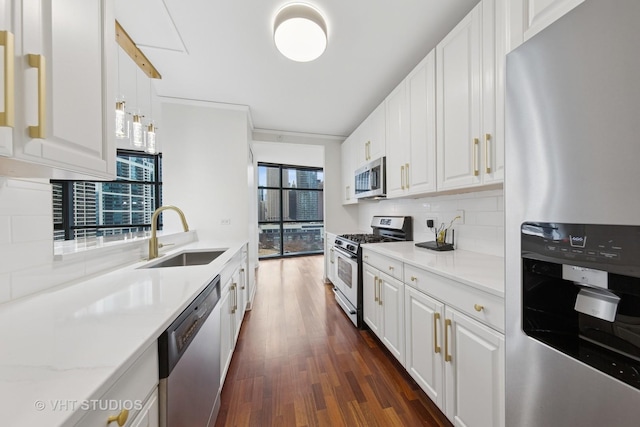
column 351, row 248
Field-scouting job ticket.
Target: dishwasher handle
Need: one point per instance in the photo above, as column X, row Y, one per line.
column 175, row 340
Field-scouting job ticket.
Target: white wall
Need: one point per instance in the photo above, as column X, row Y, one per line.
column 289, row 153
column 205, row 152
column 483, row 228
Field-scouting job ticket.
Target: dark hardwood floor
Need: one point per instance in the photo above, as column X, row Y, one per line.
column 300, row 362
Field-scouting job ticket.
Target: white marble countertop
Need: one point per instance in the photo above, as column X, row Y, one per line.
column 67, row 345
column 481, row 271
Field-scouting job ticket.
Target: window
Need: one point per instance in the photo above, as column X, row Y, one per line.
column 290, row 210
column 98, row 208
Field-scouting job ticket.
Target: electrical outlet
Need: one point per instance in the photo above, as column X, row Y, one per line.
column 432, row 218
column 460, row 220
column 226, row 221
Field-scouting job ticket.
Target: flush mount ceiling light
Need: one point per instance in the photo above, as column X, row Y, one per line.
column 300, row 32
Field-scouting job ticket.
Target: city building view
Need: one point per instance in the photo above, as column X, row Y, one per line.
column 126, row 204
column 290, row 210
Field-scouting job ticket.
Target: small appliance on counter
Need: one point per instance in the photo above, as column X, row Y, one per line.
column 440, row 244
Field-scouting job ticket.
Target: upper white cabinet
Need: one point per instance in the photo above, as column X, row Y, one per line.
column 470, row 99
column 64, row 77
column 370, row 137
column 348, row 179
column 539, row 14
column 411, row 132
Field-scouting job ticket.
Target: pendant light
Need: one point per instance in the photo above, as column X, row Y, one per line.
column 137, row 136
column 151, row 129
column 300, row 32
column 122, row 125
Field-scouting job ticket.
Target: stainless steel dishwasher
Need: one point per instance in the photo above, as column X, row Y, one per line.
column 189, row 355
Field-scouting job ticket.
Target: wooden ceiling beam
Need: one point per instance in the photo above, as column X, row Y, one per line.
column 128, row 45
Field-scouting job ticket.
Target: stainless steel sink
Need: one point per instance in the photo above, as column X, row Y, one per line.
column 187, row 258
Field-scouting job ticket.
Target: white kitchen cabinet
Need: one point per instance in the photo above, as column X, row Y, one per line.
column 232, row 307
column 330, row 257
column 370, row 137
column 136, row 390
column 149, row 415
column 64, row 85
column 397, row 140
column 474, row 372
column 470, row 99
column 226, row 328
column 452, row 349
column 348, row 167
column 411, row 132
column 7, row 82
column 424, row 361
column 370, row 307
column 536, row 15
column 383, row 308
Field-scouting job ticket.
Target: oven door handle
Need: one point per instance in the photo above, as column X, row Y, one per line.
column 345, row 254
column 342, row 302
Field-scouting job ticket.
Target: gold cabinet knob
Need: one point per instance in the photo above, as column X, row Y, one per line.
column 390, row 268
column 121, row 418
column 478, row 307
column 414, row 278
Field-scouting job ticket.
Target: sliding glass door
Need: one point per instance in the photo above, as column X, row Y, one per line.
column 290, row 210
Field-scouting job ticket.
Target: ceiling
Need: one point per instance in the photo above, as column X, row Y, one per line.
column 223, row 51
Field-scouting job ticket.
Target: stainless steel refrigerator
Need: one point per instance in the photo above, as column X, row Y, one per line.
column 572, row 202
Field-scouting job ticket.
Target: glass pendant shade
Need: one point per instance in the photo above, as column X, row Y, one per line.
column 151, row 139
column 137, row 137
column 300, row 32
column 122, row 127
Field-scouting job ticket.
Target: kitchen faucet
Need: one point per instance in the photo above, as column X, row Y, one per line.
column 153, row 241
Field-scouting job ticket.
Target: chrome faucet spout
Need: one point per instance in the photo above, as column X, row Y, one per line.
column 153, row 240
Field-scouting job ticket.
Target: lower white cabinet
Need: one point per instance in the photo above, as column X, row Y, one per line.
column 135, row 392
column 474, row 372
column 149, row 415
column 330, row 257
column 457, row 360
column 424, row 317
column 383, row 309
column 232, row 308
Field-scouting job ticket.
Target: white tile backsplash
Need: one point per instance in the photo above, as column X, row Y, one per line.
column 483, row 228
column 32, row 228
column 27, row 261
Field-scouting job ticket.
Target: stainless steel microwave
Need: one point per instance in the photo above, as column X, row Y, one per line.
column 370, row 180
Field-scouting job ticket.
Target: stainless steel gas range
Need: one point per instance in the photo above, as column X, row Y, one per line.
column 348, row 260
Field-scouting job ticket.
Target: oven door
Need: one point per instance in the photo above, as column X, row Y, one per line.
column 346, row 284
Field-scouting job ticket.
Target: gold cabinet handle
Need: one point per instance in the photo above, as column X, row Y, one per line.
column 447, row 325
column 380, row 291
column 476, row 167
column 406, row 171
column 38, row 61
column 375, row 288
column 478, row 307
column 414, row 278
column 331, row 256
column 487, row 158
column 367, row 150
column 121, row 418
column 402, row 177
column 8, row 115
column 436, row 320
column 346, row 193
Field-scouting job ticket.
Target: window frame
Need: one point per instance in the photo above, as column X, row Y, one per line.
column 281, row 221
column 67, row 225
